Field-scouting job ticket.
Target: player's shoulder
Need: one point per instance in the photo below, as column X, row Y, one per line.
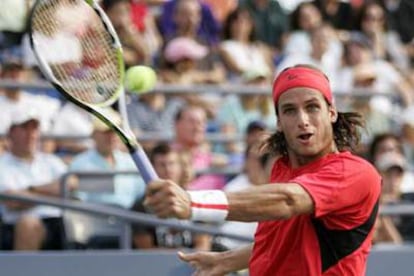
column 353, row 160
column 357, row 168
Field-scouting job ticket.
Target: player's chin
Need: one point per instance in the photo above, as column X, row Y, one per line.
column 306, row 151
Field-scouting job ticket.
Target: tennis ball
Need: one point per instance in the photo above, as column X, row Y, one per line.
column 140, row 79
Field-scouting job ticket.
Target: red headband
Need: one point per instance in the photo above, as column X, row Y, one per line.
column 301, row 77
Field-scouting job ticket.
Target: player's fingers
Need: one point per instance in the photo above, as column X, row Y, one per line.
column 155, row 186
column 158, row 197
column 163, row 210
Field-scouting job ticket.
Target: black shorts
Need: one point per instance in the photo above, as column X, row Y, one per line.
column 55, row 235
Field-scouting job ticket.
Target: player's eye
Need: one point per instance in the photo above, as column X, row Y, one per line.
column 312, row 108
column 288, row 111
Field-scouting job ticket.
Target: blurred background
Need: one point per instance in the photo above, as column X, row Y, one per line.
column 201, row 125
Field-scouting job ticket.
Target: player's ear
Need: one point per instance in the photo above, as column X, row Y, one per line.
column 333, row 114
column 278, row 127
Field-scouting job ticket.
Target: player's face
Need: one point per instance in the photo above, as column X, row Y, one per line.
column 306, row 121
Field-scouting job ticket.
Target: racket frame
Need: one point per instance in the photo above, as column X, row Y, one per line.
column 137, row 153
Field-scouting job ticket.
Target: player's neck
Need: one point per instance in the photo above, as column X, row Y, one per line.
column 297, row 161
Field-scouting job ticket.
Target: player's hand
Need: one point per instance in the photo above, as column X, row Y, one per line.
column 205, row 263
column 167, row 199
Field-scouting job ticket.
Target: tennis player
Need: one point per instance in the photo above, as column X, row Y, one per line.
column 317, row 214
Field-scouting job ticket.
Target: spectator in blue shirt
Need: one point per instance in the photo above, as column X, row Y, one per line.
column 106, row 156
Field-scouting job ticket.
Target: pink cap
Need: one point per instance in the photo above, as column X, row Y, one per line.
column 182, row 47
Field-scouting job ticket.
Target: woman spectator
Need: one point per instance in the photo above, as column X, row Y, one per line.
column 338, row 13
column 239, row 49
column 303, row 19
column 385, row 44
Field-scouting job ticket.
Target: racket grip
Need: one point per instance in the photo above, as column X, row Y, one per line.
column 144, row 165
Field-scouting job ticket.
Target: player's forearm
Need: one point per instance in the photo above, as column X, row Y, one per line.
column 268, row 202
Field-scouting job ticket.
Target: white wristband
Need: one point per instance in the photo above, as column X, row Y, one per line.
column 209, row 206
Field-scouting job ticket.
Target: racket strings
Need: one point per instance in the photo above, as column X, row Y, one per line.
column 74, row 43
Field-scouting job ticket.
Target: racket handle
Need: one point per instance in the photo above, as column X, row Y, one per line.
column 144, row 165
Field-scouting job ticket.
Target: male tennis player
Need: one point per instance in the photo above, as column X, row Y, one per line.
column 317, row 214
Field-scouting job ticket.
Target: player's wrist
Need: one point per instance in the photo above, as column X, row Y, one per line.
column 208, row 206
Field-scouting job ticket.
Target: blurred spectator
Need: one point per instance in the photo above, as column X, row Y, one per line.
column 271, row 21
column 397, row 187
column 26, row 171
column 324, row 52
column 407, row 133
column 190, row 129
column 338, row 13
column 255, row 132
column 189, row 62
column 13, row 14
column 400, row 14
column 386, row 153
column 106, row 156
column 385, row 227
column 189, row 18
column 385, row 44
column 304, row 19
column 153, row 112
column 397, row 179
column 383, row 143
column 256, row 172
column 221, row 9
column 240, row 50
column 137, row 47
column 362, row 72
column 237, row 111
column 169, row 165
column 14, row 70
column 72, row 123
column 144, row 20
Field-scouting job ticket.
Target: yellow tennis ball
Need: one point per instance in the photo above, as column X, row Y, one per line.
column 140, row 79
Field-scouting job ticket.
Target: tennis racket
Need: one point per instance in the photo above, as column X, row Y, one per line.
column 79, row 52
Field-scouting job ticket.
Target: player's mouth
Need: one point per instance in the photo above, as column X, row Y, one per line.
column 305, row 138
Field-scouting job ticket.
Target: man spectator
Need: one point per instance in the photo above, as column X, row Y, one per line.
column 106, row 156
column 13, row 69
column 26, row 171
column 190, row 130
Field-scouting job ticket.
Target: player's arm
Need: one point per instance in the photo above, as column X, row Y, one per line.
column 268, row 202
column 167, row 199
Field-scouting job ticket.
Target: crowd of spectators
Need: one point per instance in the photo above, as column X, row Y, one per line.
column 365, row 47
